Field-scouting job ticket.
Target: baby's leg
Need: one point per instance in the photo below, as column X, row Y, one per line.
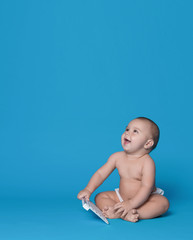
column 106, row 201
column 155, row 206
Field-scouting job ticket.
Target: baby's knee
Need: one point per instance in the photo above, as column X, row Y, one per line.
column 100, row 200
column 99, row 196
column 166, row 203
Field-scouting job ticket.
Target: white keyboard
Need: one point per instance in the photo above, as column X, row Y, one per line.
column 89, row 205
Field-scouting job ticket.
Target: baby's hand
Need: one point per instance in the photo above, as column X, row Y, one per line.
column 124, row 207
column 85, row 193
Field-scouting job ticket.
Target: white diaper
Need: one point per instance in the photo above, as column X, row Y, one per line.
column 118, row 194
column 157, row 191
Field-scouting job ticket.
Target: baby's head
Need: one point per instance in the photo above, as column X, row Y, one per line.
column 141, row 133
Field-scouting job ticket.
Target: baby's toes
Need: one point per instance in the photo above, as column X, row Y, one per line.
column 133, row 211
column 135, row 220
column 136, row 217
column 105, row 211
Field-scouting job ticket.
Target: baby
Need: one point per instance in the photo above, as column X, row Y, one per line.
column 137, row 196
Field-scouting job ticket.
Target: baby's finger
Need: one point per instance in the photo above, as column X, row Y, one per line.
column 118, row 205
column 119, row 210
column 79, row 196
column 124, row 214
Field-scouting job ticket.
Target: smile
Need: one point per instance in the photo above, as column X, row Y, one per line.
column 126, row 141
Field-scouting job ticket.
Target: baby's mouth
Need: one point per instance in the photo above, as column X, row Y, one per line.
column 126, row 141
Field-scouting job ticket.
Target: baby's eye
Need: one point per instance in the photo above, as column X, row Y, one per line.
column 135, row 131
column 127, row 129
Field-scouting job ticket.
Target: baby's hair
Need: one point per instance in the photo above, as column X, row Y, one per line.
column 155, row 131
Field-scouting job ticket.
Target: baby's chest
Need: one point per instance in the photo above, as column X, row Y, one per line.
column 133, row 171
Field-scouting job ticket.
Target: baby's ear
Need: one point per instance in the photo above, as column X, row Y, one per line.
column 149, row 144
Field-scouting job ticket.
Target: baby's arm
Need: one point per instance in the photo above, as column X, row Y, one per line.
column 98, row 178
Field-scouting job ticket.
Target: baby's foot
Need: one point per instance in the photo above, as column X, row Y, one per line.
column 109, row 212
column 132, row 216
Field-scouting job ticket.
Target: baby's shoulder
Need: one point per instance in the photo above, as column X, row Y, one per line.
column 148, row 161
column 116, row 156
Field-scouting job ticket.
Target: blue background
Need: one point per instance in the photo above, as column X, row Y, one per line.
column 72, row 75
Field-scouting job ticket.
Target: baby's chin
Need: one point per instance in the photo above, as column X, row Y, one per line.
column 130, row 151
column 126, row 149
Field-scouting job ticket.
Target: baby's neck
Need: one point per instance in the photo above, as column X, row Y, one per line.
column 135, row 155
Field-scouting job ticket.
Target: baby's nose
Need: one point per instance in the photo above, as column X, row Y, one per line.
column 127, row 133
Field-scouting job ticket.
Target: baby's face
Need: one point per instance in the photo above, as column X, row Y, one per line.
column 136, row 135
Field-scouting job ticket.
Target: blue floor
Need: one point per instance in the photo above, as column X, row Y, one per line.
column 73, row 74
column 66, row 219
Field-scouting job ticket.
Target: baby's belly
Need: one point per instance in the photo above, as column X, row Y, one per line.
column 128, row 188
